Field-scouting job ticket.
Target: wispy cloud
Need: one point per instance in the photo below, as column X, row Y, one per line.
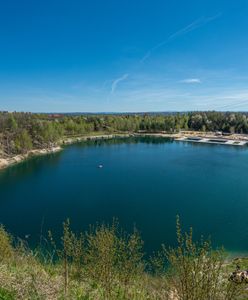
column 117, row 81
column 192, row 26
column 162, row 98
column 222, row 90
column 191, row 80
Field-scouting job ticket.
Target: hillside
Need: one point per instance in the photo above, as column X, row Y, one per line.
column 107, row 263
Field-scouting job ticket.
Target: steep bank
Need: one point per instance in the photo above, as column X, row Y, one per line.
column 6, row 162
column 109, row 263
column 9, row 161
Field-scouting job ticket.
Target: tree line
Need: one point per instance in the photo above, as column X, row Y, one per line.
column 21, row 132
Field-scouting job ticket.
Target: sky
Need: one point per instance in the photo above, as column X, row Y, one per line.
column 123, row 55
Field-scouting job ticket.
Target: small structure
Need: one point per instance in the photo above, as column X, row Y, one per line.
column 211, row 140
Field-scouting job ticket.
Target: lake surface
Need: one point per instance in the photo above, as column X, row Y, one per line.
column 144, row 181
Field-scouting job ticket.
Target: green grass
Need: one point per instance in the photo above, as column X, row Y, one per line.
column 6, row 295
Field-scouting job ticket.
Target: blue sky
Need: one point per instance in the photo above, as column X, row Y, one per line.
column 123, row 55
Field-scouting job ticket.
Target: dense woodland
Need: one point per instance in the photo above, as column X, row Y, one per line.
column 21, row 132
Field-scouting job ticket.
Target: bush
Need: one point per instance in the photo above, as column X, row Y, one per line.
column 196, row 271
column 6, row 295
column 113, row 259
column 23, row 142
column 107, row 263
column 6, row 249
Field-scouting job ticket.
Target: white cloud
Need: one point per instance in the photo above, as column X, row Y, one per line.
column 191, row 80
column 117, row 81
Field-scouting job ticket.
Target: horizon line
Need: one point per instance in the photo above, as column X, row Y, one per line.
column 123, row 112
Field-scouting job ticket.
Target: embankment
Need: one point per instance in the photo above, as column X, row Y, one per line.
column 11, row 160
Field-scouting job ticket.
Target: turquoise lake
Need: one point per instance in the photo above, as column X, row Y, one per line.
column 144, row 182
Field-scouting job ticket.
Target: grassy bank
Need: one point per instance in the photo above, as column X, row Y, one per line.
column 107, row 263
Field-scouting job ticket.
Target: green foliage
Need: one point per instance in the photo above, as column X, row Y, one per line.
column 101, row 255
column 19, row 132
column 70, row 252
column 6, row 294
column 48, row 133
column 11, row 123
column 23, row 142
column 196, row 270
column 107, row 263
column 114, row 259
column 6, row 249
column 130, row 263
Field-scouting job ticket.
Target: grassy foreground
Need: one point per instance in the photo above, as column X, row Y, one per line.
column 107, row 263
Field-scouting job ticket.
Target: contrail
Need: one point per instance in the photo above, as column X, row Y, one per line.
column 192, row 26
column 117, row 81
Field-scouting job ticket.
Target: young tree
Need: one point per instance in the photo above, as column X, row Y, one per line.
column 23, row 142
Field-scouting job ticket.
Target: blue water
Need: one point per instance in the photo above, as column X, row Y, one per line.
column 145, row 182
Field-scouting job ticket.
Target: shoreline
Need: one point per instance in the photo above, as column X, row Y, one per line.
column 13, row 160
column 179, row 136
column 234, row 139
column 207, row 134
column 8, row 162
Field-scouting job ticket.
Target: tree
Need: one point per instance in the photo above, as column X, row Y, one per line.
column 12, row 124
column 23, row 142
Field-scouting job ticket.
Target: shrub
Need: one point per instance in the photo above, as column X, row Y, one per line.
column 197, row 271
column 113, row 259
column 130, row 261
column 107, row 263
column 6, row 249
column 70, row 252
column 23, row 142
column 6, row 294
column 101, row 256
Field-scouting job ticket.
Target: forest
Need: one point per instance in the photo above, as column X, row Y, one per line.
column 21, row 132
